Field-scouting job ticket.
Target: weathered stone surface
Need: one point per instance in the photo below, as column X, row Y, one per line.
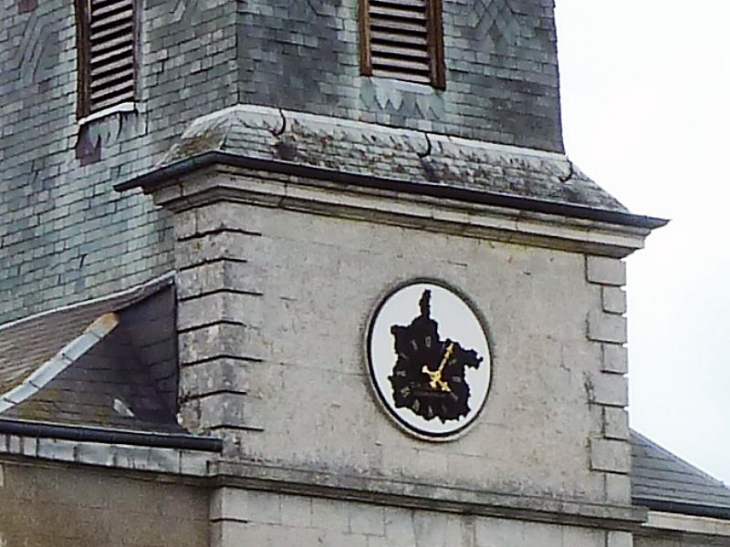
column 245, row 506
column 185, row 225
column 614, row 300
column 606, row 271
column 610, row 456
column 606, row 327
column 66, row 506
column 297, row 511
column 224, row 306
column 609, row 390
column 229, row 275
column 221, row 216
column 619, row 539
column 219, row 375
column 615, row 358
column 249, row 518
column 220, row 340
column 223, row 410
column 618, row 488
column 215, row 246
column 615, row 423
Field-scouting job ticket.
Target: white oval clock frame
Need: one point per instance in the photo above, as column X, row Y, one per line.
column 458, row 320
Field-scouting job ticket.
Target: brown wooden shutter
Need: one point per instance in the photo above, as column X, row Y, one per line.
column 109, row 54
column 403, row 39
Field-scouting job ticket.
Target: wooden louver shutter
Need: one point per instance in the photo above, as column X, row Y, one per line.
column 110, row 53
column 402, row 39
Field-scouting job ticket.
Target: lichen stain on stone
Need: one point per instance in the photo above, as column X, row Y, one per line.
column 193, row 145
column 286, row 149
column 571, row 195
column 430, row 172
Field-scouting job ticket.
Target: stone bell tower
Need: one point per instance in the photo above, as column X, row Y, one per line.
column 399, row 302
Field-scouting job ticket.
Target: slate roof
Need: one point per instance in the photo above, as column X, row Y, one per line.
column 109, row 363
column 28, row 343
column 664, row 482
column 373, row 151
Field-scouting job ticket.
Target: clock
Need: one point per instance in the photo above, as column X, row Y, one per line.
column 429, row 360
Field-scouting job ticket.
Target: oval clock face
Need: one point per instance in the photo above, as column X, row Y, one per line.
column 429, row 360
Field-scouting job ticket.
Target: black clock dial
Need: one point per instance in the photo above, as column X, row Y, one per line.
column 428, row 376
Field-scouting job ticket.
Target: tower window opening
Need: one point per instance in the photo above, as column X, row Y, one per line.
column 107, row 53
column 403, row 39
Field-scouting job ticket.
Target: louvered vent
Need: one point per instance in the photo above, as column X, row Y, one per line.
column 110, row 53
column 402, row 40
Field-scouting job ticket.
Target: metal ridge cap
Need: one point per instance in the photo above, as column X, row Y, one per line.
column 83, row 433
column 183, row 167
column 65, row 357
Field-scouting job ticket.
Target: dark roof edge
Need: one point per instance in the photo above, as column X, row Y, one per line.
column 109, row 436
column 683, row 508
column 209, row 158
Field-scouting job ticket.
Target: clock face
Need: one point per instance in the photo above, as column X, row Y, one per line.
column 429, row 360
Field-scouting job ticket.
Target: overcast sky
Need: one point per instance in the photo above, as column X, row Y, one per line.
column 646, row 113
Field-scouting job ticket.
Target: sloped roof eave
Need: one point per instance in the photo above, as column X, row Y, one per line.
column 372, row 155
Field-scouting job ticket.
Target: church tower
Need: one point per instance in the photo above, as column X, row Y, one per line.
column 387, row 309
column 400, row 304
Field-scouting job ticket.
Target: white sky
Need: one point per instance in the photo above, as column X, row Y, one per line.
column 646, row 113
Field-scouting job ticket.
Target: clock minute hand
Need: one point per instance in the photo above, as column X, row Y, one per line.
column 445, row 358
column 436, row 382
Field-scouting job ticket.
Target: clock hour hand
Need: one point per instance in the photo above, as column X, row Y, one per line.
column 436, row 382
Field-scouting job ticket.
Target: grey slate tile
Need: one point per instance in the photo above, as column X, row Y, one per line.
column 664, row 482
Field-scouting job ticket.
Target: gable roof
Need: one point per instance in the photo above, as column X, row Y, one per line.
column 664, row 482
column 26, row 344
column 102, row 369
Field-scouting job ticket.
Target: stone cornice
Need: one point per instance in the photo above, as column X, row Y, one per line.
column 424, row 496
column 548, row 225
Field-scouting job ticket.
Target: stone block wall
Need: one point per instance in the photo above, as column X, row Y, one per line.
column 501, row 69
column 608, row 389
column 274, row 306
column 680, row 540
column 240, row 517
column 73, row 507
column 65, row 234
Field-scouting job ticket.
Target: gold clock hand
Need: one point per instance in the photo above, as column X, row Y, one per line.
column 436, row 382
column 445, row 359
